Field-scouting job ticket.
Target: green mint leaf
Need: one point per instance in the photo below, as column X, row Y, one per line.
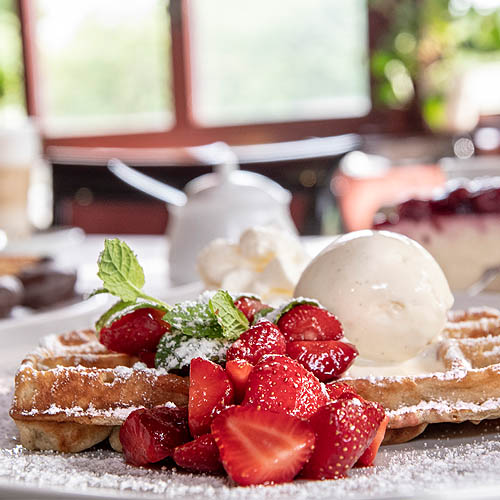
column 121, row 308
column 175, row 351
column 262, row 313
column 232, row 321
column 120, row 271
column 194, row 319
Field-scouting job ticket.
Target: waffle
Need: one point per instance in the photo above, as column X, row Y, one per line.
column 72, row 393
column 468, row 389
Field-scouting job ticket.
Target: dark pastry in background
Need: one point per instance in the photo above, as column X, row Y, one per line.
column 45, row 285
column 35, row 282
column 11, row 294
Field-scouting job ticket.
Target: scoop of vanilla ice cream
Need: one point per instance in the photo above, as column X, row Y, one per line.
column 388, row 292
column 265, row 261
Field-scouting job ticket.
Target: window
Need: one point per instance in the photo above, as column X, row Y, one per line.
column 104, row 66
column 262, row 61
column 158, row 73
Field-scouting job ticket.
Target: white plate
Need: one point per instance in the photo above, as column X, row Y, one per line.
column 447, row 462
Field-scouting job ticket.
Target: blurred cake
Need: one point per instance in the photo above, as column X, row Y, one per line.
column 459, row 226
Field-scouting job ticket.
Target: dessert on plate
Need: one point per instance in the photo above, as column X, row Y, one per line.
column 34, row 282
column 274, row 392
column 458, row 226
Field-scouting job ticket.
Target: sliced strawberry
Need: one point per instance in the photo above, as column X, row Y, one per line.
column 150, row 435
column 249, row 307
column 260, row 339
column 344, row 429
column 368, row 457
column 238, row 371
column 200, row 455
column 148, row 358
column 327, row 359
column 137, row 331
column 210, row 391
column 337, row 390
column 308, row 322
column 261, row 447
column 280, row 384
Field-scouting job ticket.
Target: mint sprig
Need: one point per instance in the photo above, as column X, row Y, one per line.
column 232, row 321
column 121, row 274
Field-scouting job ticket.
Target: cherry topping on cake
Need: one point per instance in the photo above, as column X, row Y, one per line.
column 281, row 384
column 344, row 429
column 210, row 391
column 309, row 322
column 150, row 435
column 414, row 209
column 260, row 339
column 487, row 201
column 200, row 455
column 327, row 359
column 134, row 332
column 262, row 447
column 249, row 307
column 456, row 201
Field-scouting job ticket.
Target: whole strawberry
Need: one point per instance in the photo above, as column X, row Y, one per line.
column 262, row 338
column 344, row 429
column 280, row 384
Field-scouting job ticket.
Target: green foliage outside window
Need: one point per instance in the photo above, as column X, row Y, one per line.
column 11, row 71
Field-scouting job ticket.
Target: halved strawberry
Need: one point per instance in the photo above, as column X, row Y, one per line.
column 368, row 457
column 261, row 447
column 238, row 371
column 337, row 390
column 249, row 307
column 148, row 358
column 308, row 322
column 137, row 331
column 150, row 435
column 280, row 384
column 344, row 429
column 327, row 359
column 262, row 338
column 200, row 455
column 210, row 391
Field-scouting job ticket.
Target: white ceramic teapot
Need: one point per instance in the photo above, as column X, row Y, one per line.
column 221, row 204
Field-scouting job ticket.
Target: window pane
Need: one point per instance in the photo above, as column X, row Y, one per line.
column 270, row 60
column 11, row 64
column 104, row 65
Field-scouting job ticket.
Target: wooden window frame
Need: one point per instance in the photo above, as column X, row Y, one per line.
column 186, row 131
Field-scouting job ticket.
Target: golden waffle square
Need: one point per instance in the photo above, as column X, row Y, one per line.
column 71, row 392
column 467, row 389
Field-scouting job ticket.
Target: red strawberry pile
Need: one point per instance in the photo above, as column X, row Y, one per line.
column 272, row 414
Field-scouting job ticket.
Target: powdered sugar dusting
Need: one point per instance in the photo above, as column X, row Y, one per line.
column 423, row 466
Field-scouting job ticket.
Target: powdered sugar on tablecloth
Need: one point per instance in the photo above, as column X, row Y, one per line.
column 403, row 470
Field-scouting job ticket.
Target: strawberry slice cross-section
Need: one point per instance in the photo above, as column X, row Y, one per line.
column 261, row 447
column 210, row 391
